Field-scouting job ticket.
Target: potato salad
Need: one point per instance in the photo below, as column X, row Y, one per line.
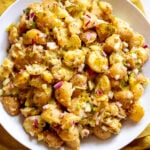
column 73, row 70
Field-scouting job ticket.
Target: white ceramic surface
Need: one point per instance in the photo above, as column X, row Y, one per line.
column 122, row 9
column 146, row 6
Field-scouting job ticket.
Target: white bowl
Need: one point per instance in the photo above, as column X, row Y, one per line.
column 122, row 9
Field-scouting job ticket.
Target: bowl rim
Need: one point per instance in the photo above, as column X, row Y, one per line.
column 14, row 5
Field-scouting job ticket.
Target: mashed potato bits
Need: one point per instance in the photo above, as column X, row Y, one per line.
column 73, row 70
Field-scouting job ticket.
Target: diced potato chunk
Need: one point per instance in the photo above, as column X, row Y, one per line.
column 21, row 79
column 137, row 112
column 125, row 97
column 97, row 62
column 13, row 34
column 52, row 139
column 34, row 36
column 42, row 96
column 113, row 44
column 47, row 76
column 104, row 30
column 88, row 36
column 101, row 134
column 103, row 84
column 74, row 145
column 74, row 58
column 63, row 94
column 118, row 71
column 51, row 114
column 69, row 120
column 33, row 125
column 11, row 105
column 69, row 135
